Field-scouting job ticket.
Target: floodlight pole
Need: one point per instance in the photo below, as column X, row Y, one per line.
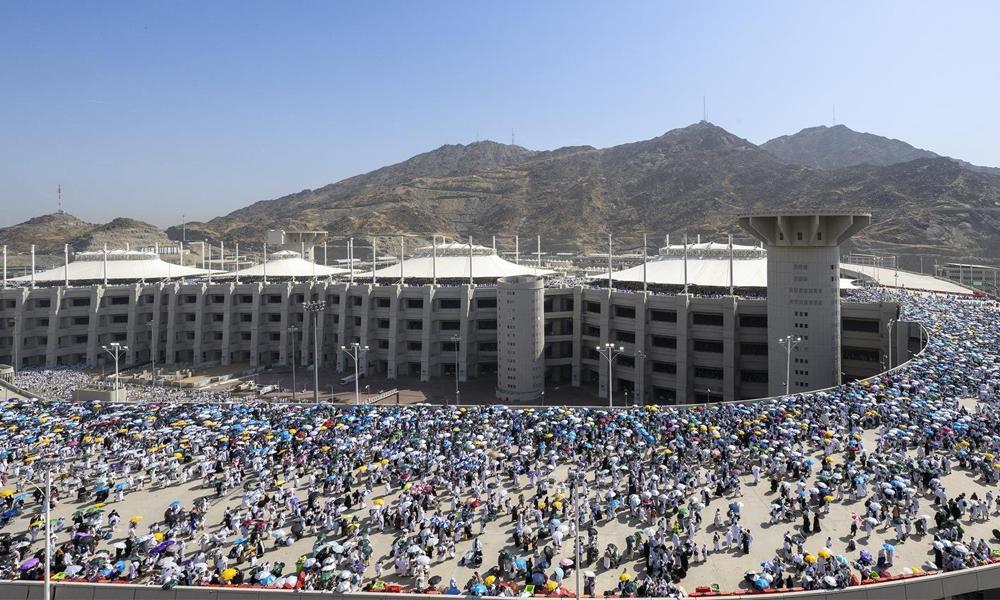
column 891, row 322
column 789, row 342
column 114, row 349
column 314, row 308
column 610, row 352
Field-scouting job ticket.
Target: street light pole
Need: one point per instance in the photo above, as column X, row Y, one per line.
column 639, row 398
column 891, row 321
column 789, row 342
column 47, row 498
column 152, row 352
column 610, row 352
column 578, row 481
column 456, row 339
column 114, row 349
column 293, row 330
column 355, row 353
column 314, row 308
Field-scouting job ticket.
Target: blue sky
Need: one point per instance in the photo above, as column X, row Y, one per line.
column 157, row 109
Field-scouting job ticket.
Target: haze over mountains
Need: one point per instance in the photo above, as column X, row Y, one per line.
column 693, row 179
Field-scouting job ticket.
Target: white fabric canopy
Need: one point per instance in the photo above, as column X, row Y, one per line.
column 122, row 265
column 287, row 265
column 704, row 272
column 455, row 266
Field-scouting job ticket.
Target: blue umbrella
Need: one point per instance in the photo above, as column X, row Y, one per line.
column 478, row 589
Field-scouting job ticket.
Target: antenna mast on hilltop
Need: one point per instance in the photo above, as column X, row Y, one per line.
column 511, row 136
column 59, row 197
column 704, row 109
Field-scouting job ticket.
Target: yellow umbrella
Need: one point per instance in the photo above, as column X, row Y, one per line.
column 6, row 494
column 624, row 576
column 379, row 502
column 135, row 518
column 489, row 579
column 824, row 553
column 228, row 574
column 550, row 586
column 158, row 536
column 810, row 559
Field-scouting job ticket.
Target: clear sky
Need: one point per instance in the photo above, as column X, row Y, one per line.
column 156, row 109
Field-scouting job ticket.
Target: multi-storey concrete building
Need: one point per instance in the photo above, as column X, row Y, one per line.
column 468, row 312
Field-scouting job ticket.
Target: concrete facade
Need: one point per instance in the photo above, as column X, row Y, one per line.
column 520, row 338
column 803, row 291
column 696, row 348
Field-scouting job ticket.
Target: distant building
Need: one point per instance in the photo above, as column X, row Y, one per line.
column 677, row 347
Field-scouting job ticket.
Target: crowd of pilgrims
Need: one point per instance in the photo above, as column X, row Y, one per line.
column 434, row 482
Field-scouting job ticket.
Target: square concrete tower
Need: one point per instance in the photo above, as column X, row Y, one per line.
column 803, row 292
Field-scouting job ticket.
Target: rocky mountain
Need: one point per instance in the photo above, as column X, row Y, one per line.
column 119, row 232
column 50, row 232
column 693, row 179
column 839, row 146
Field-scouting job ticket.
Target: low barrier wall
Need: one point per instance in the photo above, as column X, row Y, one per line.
column 928, row 587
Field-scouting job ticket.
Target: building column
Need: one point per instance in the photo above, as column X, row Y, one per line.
column 365, row 334
column 199, row 325
column 392, row 368
column 17, row 339
column 171, row 357
column 426, row 334
column 319, row 360
column 343, row 314
column 52, row 345
column 730, row 376
column 283, row 341
column 258, row 291
column 464, row 352
column 604, row 383
column 154, row 338
column 133, row 326
column 683, row 376
column 577, row 362
column 305, row 341
column 227, row 324
column 641, row 365
column 93, row 333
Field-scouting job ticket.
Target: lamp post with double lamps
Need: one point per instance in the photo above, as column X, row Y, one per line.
column 115, row 350
column 789, row 342
column 610, row 352
column 355, row 351
column 47, row 498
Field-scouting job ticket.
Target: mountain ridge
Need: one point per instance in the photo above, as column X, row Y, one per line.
column 839, row 146
column 693, row 178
